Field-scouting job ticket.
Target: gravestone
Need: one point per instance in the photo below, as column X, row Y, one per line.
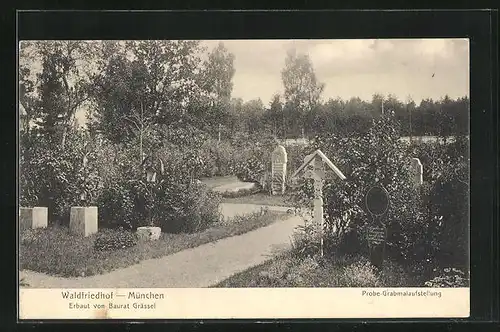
column 377, row 204
column 278, row 170
column 36, row 217
column 417, row 171
column 83, row 220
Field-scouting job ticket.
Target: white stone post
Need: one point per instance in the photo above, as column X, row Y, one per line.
column 83, row 220
column 36, row 217
column 417, row 172
column 278, row 170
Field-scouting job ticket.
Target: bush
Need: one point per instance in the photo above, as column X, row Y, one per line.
column 449, row 277
column 306, row 241
column 185, row 206
column 173, row 203
column 58, row 177
column 117, row 206
column 449, row 200
column 220, row 158
column 255, row 158
column 426, row 226
column 377, row 158
column 359, row 274
column 107, row 240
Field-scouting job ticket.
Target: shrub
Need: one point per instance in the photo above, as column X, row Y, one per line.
column 185, row 207
column 107, row 240
column 220, row 158
column 417, row 232
column 359, row 274
column 59, row 177
column 377, row 158
column 449, row 200
column 449, row 277
column 306, row 241
column 255, row 159
column 117, row 206
column 174, row 202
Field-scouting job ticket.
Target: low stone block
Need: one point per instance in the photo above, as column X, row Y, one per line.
column 148, row 233
column 83, row 220
column 35, row 217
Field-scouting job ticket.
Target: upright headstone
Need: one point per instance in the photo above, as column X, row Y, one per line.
column 278, row 170
column 36, row 217
column 377, row 204
column 417, row 172
column 83, row 220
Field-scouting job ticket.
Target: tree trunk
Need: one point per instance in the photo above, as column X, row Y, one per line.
column 141, row 156
column 63, row 139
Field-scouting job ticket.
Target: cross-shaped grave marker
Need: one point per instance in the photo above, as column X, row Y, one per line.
column 314, row 168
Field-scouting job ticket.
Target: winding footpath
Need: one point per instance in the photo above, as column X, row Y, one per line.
column 203, row 266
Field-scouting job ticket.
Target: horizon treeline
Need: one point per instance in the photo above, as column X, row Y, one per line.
column 443, row 117
column 133, row 89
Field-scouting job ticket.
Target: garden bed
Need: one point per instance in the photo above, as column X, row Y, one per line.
column 288, row 271
column 57, row 252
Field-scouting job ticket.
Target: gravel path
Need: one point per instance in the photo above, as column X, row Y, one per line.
column 202, row 266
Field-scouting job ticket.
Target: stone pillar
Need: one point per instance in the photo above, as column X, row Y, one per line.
column 36, row 217
column 278, row 170
column 83, row 220
column 417, row 172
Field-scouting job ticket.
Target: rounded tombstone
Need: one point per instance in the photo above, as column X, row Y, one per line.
column 377, row 200
column 279, row 155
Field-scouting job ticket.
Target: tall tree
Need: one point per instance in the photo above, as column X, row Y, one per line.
column 253, row 112
column 302, row 89
column 63, row 85
column 218, row 73
column 236, row 118
column 158, row 80
column 28, row 97
column 274, row 116
column 216, row 77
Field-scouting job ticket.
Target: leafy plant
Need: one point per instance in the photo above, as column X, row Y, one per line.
column 448, row 277
column 306, row 240
column 58, row 177
column 417, row 232
column 114, row 240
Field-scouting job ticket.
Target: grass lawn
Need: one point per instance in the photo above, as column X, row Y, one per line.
column 57, row 252
column 216, row 181
column 261, row 199
column 287, row 271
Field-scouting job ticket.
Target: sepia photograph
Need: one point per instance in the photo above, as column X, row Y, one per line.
column 307, row 163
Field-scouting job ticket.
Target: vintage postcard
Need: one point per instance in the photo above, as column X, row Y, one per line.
column 260, row 179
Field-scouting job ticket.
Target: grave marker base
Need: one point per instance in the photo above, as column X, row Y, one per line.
column 83, row 220
column 30, row 218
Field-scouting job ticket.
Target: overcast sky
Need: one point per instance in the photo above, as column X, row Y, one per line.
column 356, row 67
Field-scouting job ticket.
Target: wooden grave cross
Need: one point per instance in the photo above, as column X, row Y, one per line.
column 314, row 168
